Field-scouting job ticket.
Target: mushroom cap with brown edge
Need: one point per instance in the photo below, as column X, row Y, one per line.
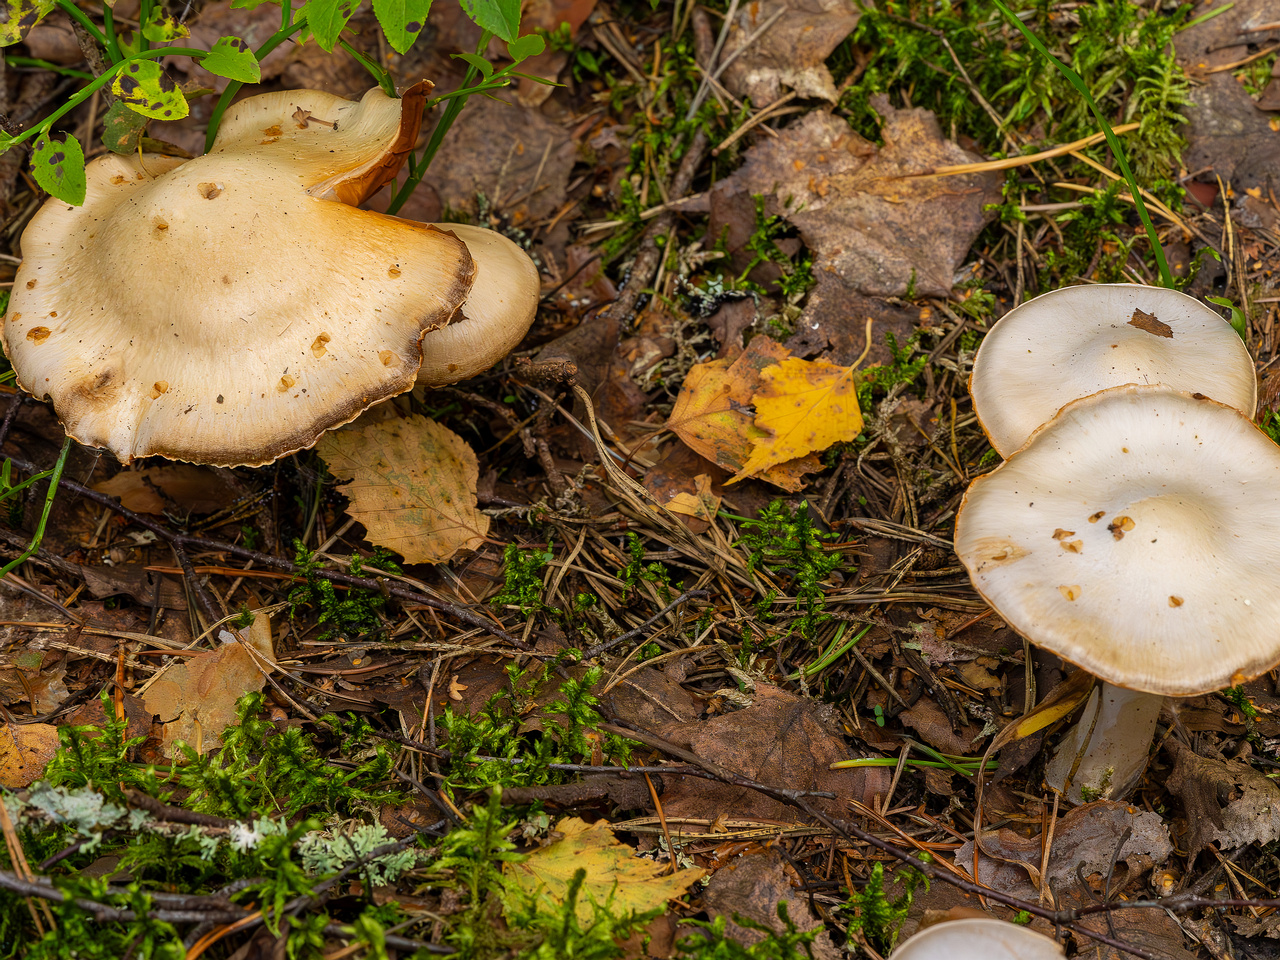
column 496, row 315
column 1137, row 534
column 228, row 309
column 1075, row 341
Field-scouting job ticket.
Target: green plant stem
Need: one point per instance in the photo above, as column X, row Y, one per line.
column 418, row 165
column 82, row 18
column 375, row 71
column 54, row 476
column 110, row 41
column 232, row 88
column 833, row 654
column 33, row 63
column 144, row 14
column 1166, row 277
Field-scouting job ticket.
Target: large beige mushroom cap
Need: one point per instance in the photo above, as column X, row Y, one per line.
column 232, row 308
column 496, row 315
column 1137, row 535
column 1073, row 342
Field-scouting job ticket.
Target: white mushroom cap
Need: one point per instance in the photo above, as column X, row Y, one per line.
column 1137, row 534
column 1073, row 342
column 232, row 308
column 977, row 939
column 496, row 315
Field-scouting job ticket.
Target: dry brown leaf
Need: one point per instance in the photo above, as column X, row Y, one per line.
column 195, row 699
column 413, row 486
column 791, row 51
column 170, row 486
column 806, row 406
column 702, row 503
column 856, row 206
column 712, row 413
column 615, row 876
column 25, row 750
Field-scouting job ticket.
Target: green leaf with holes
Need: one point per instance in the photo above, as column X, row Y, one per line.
column 122, row 129
column 19, row 17
column 233, row 58
column 58, row 166
column 499, row 17
column 147, row 89
column 161, row 28
column 402, row 21
column 327, row 18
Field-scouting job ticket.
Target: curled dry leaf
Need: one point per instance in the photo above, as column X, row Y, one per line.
column 413, row 486
column 615, row 876
column 798, row 37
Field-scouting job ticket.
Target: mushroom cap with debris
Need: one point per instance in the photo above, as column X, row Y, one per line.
column 231, row 308
column 1137, row 535
column 1073, row 342
column 498, row 311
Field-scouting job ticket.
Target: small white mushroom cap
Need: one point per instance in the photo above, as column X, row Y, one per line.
column 496, row 315
column 977, row 939
column 1075, row 341
column 231, row 308
column 1137, row 534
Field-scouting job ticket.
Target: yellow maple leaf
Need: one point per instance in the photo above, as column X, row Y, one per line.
column 615, row 876
column 413, row 486
column 712, row 414
column 806, row 405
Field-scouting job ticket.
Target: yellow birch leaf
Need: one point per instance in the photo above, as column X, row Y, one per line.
column 413, row 486
column 808, row 405
column 702, row 503
column 615, row 876
column 712, row 414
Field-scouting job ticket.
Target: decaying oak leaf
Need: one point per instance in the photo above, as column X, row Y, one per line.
column 799, row 35
column 702, row 503
column 806, row 405
column 195, row 699
column 615, row 876
column 25, row 750
column 859, row 208
column 413, row 486
column 713, row 415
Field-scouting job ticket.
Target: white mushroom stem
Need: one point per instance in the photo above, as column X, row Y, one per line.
column 1104, row 755
column 495, row 316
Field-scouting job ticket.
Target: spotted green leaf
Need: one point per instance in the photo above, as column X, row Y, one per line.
column 122, row 128
column 147, row 89
column 161, row 28
column 232, row 58
column 401, row 20
column 326, row 18
column 19, row 16
column 499, row 17
column 58, row 166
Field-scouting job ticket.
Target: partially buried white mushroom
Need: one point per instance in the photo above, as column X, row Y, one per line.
column 1137, row 534
column 496, row 315
column 231, row 308
column 977, row 939
column 1076, row 341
